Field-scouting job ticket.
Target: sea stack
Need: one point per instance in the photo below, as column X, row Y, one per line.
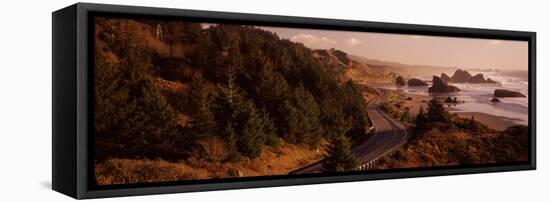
column 478, row 78
column 440, row 86
column 461, row 76
column 416, row 82
column 400, row 81
column 507, row 93
column 445, row 77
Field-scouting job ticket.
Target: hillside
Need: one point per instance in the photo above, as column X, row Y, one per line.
column 406, row 70
column 165, row 90
column 349, row 68
column 439, row 147
column 273, row 161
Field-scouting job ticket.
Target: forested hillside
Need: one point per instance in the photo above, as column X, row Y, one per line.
column 169, row 90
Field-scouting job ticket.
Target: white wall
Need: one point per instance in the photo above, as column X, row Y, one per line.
column 25, row 99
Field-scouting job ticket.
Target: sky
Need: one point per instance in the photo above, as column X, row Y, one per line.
column 468, row 53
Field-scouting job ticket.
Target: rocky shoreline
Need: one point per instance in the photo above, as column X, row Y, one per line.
column 415, row 101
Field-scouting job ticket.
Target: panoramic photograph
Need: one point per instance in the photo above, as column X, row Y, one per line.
column 183, row 101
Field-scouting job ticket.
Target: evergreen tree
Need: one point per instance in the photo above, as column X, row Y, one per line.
column 252, row 134
column 302, row 118
column 269, row 129
column 253, row 126
column 339, row 155
column 230, row 138
column 436, row 112
column 271, row 90
column 355, row 107
column 330, row 108
column 271, row 86
column 231, row 95
column 180, row 33
column 203, row 122
column 421, row 119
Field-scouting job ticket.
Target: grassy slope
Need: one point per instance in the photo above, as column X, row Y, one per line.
column 271, row 162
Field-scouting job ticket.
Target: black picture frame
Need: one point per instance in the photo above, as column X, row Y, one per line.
column 72, row 100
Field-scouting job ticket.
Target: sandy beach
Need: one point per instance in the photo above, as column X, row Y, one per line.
column 494, row 122
column 415, row 101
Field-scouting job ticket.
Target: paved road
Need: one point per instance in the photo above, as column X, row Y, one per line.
column 389, row 135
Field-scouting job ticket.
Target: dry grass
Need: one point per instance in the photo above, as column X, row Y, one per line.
column 415, row 102
column 394, row 104
column 363, row 74
column 173, row 86
column 279, row 161
column 126, row 171
column 146, row 34
column 272, row 161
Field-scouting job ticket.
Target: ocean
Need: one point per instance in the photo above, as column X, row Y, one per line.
column 477, row 97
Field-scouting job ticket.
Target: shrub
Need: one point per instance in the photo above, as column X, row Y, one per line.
column 211, row 149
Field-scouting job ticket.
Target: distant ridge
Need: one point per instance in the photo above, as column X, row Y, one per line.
column 350, row 68
column 406, row 70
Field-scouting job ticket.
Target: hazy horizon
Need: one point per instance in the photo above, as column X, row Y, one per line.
column 467, row 53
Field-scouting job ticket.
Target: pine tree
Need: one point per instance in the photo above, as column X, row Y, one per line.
column 355, row 107
column 231, row 142
column 203, row 122
column 231, row 95
column 292, row 122
column 302, row 118
column 179, row 33
column 252, row 133
column 472, row 124
column 269, row 129
column 272, row 90
column 244, row 119
column 436, row 112
column 330, row 108
column 271, row 86
column 339, row 155
column 421, row 119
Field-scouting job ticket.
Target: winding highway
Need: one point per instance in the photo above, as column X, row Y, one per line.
column 389, row 135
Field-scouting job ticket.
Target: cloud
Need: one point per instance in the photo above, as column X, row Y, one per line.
column 313, row 41
column 353, row 42
column 418, row 37
column 495, row 42
column 207, row 25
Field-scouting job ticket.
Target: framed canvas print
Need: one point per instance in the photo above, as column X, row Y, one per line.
column 155, row 100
